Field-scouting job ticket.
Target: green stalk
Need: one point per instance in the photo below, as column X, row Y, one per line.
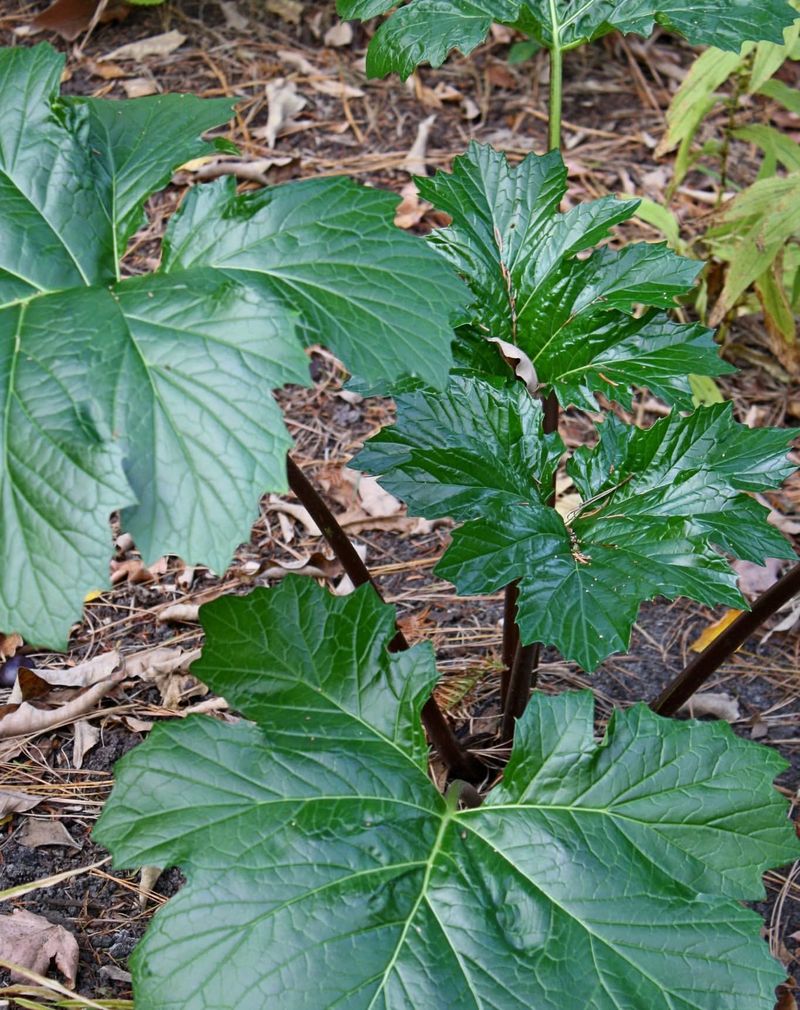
column 556, row 81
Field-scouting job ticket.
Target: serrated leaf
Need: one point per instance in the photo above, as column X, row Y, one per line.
column 573, row 317
column 152, row 394
column 324, row 869
column 427, row 30
column 326, row 248
column 654, row 504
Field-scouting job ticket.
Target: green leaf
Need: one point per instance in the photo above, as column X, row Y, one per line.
column 655, row 504
column 324, row 869
column 427, row 30
column 775, row 144
column 573, row 317
column 327, row 249
column 783, row 93
column 153, row 395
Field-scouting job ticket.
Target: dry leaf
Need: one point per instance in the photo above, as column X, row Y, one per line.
column 9, row 645
column 168, row 668
column 518, row 360
column 411, row 209
column 32, row 942
column 714, row 630
column 374, row 499
column 298, row 512
column 36, row 833
column 340, row 34
column 156, row 45
column 92, row 671
column 187, row 613
column 86, row 737
column 139, row 87
column 787, row 623
column 415, row 163
column 148, row 877
column 317, row 565
column 469, row 108
column 26, row 720
column 759, row 727
column 283, row 104
column 68, row 18
column 336, row 89
column 756, row 579
column 786, row 1000
column 345, row 586
column 288, row 10
column 16, row 803
column 233, row 17
column 717, row 704
column 297, row 61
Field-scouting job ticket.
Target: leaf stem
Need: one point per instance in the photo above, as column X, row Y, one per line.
column 510, row 637
column 459, row 761
column 697, row 672
column 524, row 675
column 556, row 80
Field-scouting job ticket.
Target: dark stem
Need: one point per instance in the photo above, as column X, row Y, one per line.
column 522, row 680
column 460, row 762
column 696, row 673
column 510, row 637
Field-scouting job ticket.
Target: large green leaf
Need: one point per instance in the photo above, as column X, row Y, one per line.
column 655, row 504
column 573, row 317
column 324, row 869
column 152, row 394
column 425, row 31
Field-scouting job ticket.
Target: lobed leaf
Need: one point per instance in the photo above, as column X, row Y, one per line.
column 325, row 870
column 655, row 504
column 572, row 317
column 425, row 31
column 152, row 394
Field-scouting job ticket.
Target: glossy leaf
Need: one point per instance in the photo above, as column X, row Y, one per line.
column 573, row 317
column 425, row 31
column 324, row 869
column 152, row 394
column 655, row 504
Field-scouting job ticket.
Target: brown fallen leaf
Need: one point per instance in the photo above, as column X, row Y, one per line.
column 9, row 645
column 415, row 161
column 340, row 34
column 16, row 803
column 155, row 45
column 180, row 613
column 233, row 16
column 168, row 668
column 86, row 737
column 786, row 1000
column 335, row 89
column 38, row 832
column 68, row 18
column 86, row 674
column 411, row 209
column 139, row 87
column 298, row 512
column 31, row 941
column 375, row 501
column 26, row 720
column 717, row 704
column 756, row 579
column 518, row 360
column 288, row 10
column 714, row 630
column 283, row 105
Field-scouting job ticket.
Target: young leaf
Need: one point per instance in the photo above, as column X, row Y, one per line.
column 572, row 317
column 324, row 869
column 426, row 30
column 655, row 503
column 153, row 394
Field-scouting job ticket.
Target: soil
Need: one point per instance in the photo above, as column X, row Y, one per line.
column 616, row 93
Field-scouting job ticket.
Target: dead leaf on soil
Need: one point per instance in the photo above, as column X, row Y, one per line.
column 9, row 645
column 717, row 704
column 233, row 16
column 139, row 87
column 68, row 18
column 346, row 586
column 148, row 877
column 415, row 162
column 756, row 579
column 340, row 34
column 316, row 565
column 168, row 668
column 180, row 613
column 283, row 104
column 792, row 611
column 411, row 209
column 156, row 45
column 16, row 803
column 297, row 61
column 31, row 941
column 86, row 674
column 786, row 1000
column 335, row 89
column 37, row 832
column 288, row 10
column 298, row 512
column 375, row 501
column 86, row 737
column 27, row 720
column 714, row 630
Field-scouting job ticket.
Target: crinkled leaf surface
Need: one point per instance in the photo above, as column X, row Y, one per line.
column 153, row 394
column 325, row 870
column 655, row 505
column 572, row 317
column 427, row 30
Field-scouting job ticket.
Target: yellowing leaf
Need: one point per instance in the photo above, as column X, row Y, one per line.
column 714, row 630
